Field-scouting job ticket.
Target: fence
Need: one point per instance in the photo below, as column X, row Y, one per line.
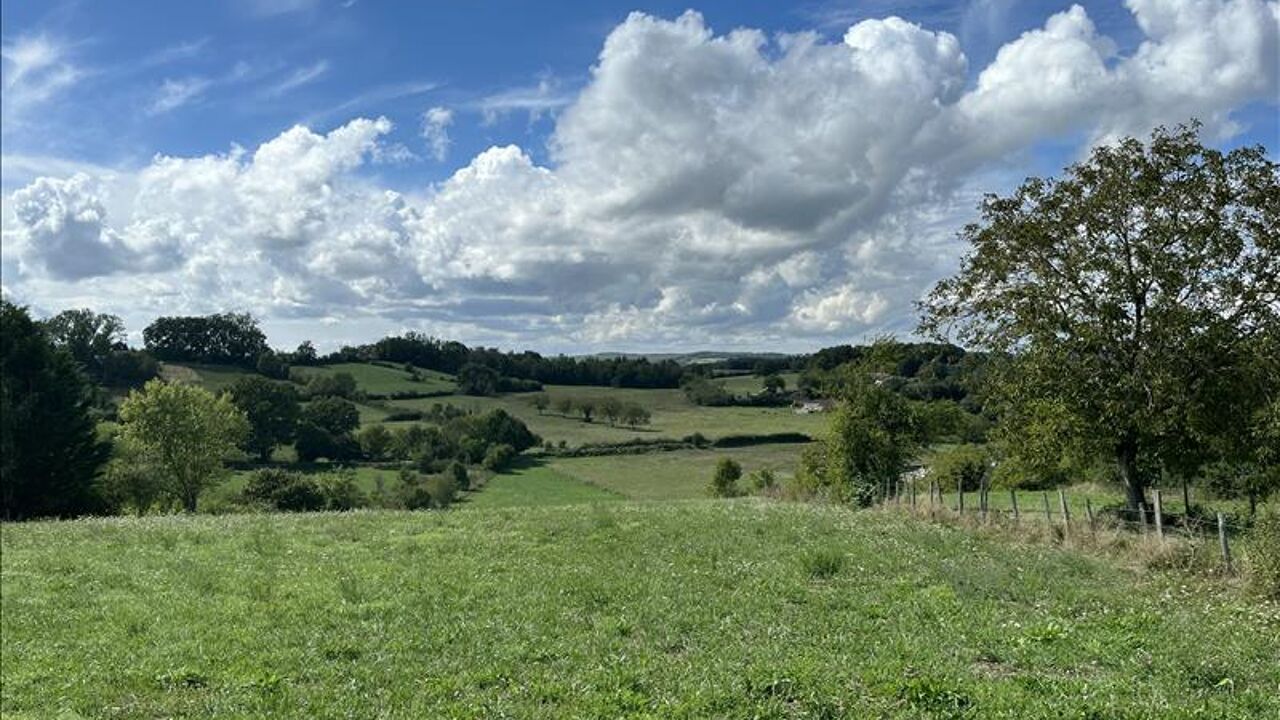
column 1152, row 519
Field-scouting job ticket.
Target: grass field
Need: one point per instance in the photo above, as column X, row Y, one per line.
column 382, row 380
column 673, row 416
column 751, row 384
column 536, row 484
column 673, row 610
column 214, row 378
column 680, row 474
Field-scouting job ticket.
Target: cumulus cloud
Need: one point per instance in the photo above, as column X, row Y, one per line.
column 435, row 130
column 702, row 188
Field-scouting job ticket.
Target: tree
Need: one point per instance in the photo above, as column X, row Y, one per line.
column 586, row 408
column 130, row 481
column 1125, row 293
column 305, row 354
column 564, row 405
column 774, row 384
column 184, row 432
column 271, row 364
column 339, row 384
column 128, row 369
column 272, row 409
column 332, row 414
column 89, row 337
column 869, row 441
column 540, row 402
column 225, row 338
column 476, row 379
column 375, row 441
column 50, row 454
column 724, row 483
column 635, row 415
column 611, row 409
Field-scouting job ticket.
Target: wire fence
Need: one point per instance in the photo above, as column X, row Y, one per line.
column 1076, row 513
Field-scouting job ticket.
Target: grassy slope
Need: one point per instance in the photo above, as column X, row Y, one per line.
column 673, row 416
column 382, row 380
column 536, row 484
column 699, row 609
column 682, row 474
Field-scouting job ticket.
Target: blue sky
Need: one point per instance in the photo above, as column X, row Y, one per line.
column 104, row 88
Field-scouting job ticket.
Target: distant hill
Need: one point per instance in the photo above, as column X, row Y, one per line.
column 700, row 357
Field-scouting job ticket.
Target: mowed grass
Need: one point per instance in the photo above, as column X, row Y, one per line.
column 752, row 384
column 383, row 380
column 673, row 416
column 680, row 610
column 681, row 474
column 535, row 484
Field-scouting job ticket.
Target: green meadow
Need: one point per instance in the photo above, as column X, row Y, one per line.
column 606, row 608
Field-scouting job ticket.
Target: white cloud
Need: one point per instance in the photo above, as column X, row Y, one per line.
column 435, row 130
column 35, row 69
column 537, row 100
column 704, row 188
column 173, row 94
column 298, row 78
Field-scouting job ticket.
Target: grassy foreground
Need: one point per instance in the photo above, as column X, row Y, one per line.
column 682, row 609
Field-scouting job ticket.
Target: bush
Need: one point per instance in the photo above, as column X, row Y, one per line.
column 340, row 384
column 129, row 368
column 411, row 491
column 1262, row 554
column 498, row 457
column 335, row 415
column 763, row 479
column 283, row 490
column 442, row 489
column 724, row 483
column 960, row 466
column 272, row 366
column 339, row 490
column 375, row 441
column 457, row 472
column 314, row 443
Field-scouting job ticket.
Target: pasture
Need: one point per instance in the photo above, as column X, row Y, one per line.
column 694, row 609
column 673, row 416
column 384, row 380
column 681, row 474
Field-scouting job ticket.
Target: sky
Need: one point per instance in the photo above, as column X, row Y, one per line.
column 570, row 177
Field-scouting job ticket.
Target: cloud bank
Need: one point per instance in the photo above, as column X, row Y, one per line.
column 701, row 189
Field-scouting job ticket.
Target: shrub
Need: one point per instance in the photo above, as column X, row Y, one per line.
column 724, row 483
column 442, row 489
column 960, row 466
column 476, row 379
column 339, row 490
column 763, row 479
column 411, row 491
column 498, row 457
column 333, row 414
column 338, row 384
column 702, row 391
column 314, row 442
column 129, row 368
column 1262, row 554
column 272, row 366
column 283, row 490
column 457, row 472
column 375, row 441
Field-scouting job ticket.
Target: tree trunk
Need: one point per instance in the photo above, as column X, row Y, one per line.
column 189, row 501
column 1127, row 461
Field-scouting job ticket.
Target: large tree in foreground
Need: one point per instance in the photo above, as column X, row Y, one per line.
column 1132, row 295
column 50, row 455
column 184, row 432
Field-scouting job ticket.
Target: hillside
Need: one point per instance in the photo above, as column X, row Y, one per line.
column 675, row 610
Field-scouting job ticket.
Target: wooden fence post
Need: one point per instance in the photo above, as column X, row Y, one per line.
column 1186, row 499
column 1066, row 513
column 1159, row 516
column 913, row 495
column 1142, row 516
column 1088, row 510
column 982, row 497
column 932, row 483
column 960, row 492
column 1222, row 540
column 1048, row 516
column 1013, row 498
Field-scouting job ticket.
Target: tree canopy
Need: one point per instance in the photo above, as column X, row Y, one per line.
column 1133, row 295
column 50, row 455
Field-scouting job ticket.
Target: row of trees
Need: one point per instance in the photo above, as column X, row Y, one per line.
column 613, row 410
